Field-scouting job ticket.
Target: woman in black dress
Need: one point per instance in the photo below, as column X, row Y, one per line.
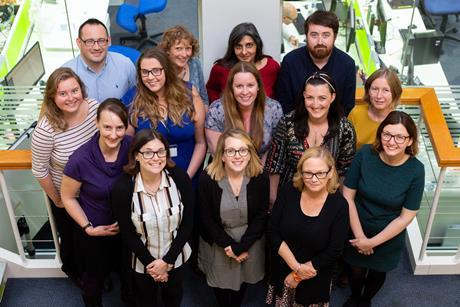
column 306, row 232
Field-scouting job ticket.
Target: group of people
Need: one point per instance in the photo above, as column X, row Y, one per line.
column 119, row 150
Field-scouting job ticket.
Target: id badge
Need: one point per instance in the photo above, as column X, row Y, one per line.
column 173, row 151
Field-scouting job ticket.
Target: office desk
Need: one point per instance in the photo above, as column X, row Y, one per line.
column 430, row 74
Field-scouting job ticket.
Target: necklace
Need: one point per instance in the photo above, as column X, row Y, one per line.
column 316, row 135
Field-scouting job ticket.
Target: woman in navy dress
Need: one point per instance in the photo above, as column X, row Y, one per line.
column 166, row 103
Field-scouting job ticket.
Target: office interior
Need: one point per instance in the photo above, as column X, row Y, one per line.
column 37, row 36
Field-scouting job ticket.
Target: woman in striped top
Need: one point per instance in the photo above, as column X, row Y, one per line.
column 67, row 120
column 153, row 204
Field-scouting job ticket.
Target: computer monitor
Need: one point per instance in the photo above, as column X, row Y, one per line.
column 380, row 19
column 29, row 70
column 350, row 28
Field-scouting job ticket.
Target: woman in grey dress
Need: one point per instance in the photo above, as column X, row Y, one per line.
column 233, row 195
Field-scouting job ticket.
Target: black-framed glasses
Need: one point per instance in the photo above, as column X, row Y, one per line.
column 399, row 138
column 318, row 175
column 231, row 152
column 154, row 71
column 149, row 154
column 102, row 42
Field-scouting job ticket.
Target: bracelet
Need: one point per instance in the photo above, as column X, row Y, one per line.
column 87, row 225
column 296, row 277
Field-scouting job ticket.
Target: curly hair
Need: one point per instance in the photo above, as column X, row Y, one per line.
column 178, row 97
column 175, row 35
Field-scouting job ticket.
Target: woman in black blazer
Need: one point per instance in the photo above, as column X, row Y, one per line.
column 233, row 198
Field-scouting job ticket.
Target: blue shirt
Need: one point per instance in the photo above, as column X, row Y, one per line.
column 197, row 79
column 113, row 81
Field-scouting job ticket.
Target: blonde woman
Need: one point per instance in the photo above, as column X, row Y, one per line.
column 168, row 104
column 233, row 199
column 306, row 233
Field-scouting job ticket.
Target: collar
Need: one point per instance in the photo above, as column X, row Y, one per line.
column 87, row 67
column 139, row 185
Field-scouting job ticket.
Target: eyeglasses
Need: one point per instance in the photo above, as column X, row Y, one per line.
column 102, row 42
column 149, row 154
column 399, row 139
column 321, row 76
column 154, row 71
column 318, row 175
column 231, row 152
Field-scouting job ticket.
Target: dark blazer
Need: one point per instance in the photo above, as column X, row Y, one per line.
column 121, row 200
column 211, row 230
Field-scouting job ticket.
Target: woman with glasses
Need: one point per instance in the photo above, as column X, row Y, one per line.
column 245, row 45
column 66, row 122
column 318, row 120
column 153, row 203
column 167, row 104
column 245, row 106
column 89, row 176
column 233, row 198
column 384, row 188
column 382, row 92
column 306, row 233
column 182, row 48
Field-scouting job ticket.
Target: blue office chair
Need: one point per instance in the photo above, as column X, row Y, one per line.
column 128, row 15
column 443, row 8
column 131, row 53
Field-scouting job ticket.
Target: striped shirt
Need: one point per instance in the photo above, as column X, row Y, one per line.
column 157, row 218
column 51, row 149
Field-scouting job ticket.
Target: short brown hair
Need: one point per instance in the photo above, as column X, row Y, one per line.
column 393, row 81
column 115, row 106
column 394, row 118
column 140, row 139
column 216, row 169
column 174, row 35
column 323, row 18
column 324, row 154
column 49, row 108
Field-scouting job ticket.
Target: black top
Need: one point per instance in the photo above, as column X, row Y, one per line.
column 318, row 239
column 211, row 229
column 121, row 200
column 298, row 65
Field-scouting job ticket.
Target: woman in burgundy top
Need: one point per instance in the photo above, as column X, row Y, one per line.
column 244, row 44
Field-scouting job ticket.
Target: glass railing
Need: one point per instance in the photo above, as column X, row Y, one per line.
column 434, row 233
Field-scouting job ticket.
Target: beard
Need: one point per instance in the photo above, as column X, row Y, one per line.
column 320, row 51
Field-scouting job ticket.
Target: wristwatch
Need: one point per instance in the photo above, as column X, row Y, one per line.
column 87, row 225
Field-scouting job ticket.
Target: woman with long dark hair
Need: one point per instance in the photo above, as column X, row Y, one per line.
column 244, row 44
column 318, row 120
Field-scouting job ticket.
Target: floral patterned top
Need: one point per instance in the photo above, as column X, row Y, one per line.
column 286, row 149
column 215, row 120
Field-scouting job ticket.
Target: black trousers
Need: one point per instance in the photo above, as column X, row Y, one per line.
column 65, row 227
column 148, row 292
column 230, row 298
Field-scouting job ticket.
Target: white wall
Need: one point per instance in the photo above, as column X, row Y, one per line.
column 218, row 17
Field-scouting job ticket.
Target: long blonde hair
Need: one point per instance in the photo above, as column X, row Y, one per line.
column 49, row 109
column 216, row 169
column 177, row 96
column 232, row 112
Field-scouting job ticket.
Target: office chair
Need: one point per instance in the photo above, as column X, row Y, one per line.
column 131, row 53
column 443, row 8
column 127, row 17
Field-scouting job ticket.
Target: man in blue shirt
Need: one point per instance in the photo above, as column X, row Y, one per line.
column 105, row 74
column 320, row 54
